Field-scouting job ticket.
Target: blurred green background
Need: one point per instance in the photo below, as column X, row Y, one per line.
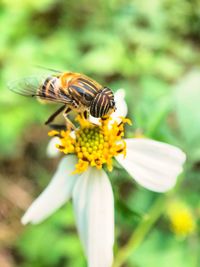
column 149, row 48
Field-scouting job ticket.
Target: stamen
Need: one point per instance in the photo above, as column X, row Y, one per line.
column 94, row 145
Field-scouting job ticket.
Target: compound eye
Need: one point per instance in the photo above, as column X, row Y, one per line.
column 112, row 103
column 100, row 105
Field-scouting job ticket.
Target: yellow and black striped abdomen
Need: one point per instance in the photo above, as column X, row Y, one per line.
column 49, row 89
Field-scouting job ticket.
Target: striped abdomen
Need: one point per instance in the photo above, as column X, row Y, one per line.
column 50, row 88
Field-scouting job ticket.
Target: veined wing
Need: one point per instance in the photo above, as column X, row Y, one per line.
column 27, row 86
column 35, row 87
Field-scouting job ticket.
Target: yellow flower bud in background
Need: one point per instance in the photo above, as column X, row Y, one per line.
column 182, row 220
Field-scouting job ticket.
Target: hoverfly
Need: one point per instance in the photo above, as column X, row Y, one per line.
column 75, row 91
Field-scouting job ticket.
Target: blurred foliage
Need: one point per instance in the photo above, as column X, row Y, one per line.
column 151, row 49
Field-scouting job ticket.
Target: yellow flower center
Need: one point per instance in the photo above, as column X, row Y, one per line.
column 94, row 145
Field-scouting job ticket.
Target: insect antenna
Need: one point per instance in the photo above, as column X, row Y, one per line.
column 50, row 69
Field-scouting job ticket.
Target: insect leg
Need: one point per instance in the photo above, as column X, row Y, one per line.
column 55, row 114
column 85, row 114
column 70, row 125
column 57, row 127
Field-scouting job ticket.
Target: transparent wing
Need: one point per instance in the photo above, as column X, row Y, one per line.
column 32, row 87
column 28, row 86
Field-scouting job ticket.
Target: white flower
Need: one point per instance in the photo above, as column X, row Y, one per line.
column 154, row 165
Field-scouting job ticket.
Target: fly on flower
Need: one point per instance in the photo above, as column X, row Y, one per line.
column 75, row 91
column 81, row 176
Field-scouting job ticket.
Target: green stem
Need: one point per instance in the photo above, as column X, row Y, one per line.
column 141, row 231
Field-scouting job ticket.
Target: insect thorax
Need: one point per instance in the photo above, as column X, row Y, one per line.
column 83, row 91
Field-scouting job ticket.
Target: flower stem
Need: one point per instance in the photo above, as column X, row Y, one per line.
column 141, row 231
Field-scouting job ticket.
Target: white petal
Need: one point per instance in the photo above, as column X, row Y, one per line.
column 154, row 165
column 121, row 105
column 94, row 120
column 52, row 151
column 94, row 211
column 56, row 193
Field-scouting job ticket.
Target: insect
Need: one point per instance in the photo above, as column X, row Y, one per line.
column 75, row 91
